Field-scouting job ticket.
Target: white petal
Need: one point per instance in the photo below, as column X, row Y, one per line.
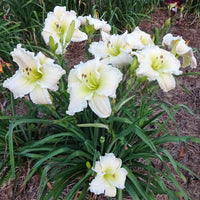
column 110, row 163
column 188, row 58
column 78, row 36
column 100, row 105
column 110, row 191
column 98, row 185
column 98, row 168
column 105, row 36
column 120, row 60
column 145, row 69
column 169, row 40
column 109, row 81
column 120, row 178
column 139, row 39
column 166, row 82
column 59, row 10
column 24, row 58
column 40, row 96
column 106, row 28
column 43, row 59
column 19, row 85
column 78, row 99
column 98, row 49
column 51, row 74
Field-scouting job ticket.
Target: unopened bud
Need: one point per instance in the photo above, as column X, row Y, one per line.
column 168, row 22
column 88, row 165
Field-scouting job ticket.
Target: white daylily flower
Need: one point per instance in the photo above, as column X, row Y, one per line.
column 92, row 82
column 139, row 39
column 97, row 23
column 112, row 50
column 181, row 48
column 109, row 176
column 158, row 64
column 36, row 74
column 57, row 25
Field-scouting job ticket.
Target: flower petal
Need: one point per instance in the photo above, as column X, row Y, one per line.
column 24, row 58
column 19, row 85
column 110, row 163
column 43, row 59
column 120, row 178
column 78, row 36
column 98, row 49
column 40, row 96
column 109, row 81
column 51, row 73
column 78, row 97
column 110, row 191
column 166, row 82
column 120, row 60
column 188, row 58
column 139, row 39
column 100, row 105
column 98, row 185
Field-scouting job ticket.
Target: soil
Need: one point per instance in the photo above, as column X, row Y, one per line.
column 189, row 125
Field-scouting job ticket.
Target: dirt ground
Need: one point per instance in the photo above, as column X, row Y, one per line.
column 189, row 125
column 188, row 155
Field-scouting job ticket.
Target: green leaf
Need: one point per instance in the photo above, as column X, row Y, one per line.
column 136, row 183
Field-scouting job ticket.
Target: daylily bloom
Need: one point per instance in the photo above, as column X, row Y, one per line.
column 139, row 39
column 112, row 50
column 179, row 46
column 96, row 23
column 158, row 64
column 57, row 25
column 36, row 74
column 109, row 176
column 92, row 82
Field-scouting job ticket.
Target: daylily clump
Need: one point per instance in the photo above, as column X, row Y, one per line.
column 92, row 82
column 110, row 175
column 57, row 25
column 179, row 47
column 36, row 74
column 158, row 64
column 112, row 50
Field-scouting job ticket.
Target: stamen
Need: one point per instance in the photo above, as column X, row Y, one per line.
column 57, row 26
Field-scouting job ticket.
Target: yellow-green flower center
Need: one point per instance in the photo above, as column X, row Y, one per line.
column 158, row 62
column 90, row 81
column 59, row 28
column 113, row 49
column 32, row 74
